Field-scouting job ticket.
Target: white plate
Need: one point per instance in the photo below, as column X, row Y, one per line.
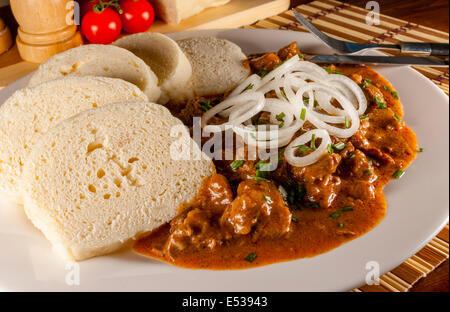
column 418, row 209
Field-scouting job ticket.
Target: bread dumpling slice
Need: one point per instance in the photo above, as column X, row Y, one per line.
column 31, row 112
column 217, row 64
column 166, row 60
column 100, row 60
column 108, row 175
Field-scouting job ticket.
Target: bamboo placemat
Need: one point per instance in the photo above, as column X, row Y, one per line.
column 344, row 21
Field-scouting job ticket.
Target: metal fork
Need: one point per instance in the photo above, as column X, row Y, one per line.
column 348, row 47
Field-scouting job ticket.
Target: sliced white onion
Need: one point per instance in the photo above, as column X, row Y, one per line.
column 302, row 161
column 292, row 82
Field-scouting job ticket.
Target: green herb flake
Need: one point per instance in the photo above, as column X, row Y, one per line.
column 386, row 88
column 395, row 95
column 205, row 106
column 280, row 116
column 346, row 209
column 347, row 122
column 340, row 225
column 366, row 82
column 339, row 146
column 313, row 142
column 268, row 199
column 302, row 148
column 294, row 219
column 281, row 125
column 251, row 257
column 316, row 103
column 334, row 215
column 236, row 164
column 396, row 117
column 330, row 149
column 380, row 103
column 311, row 205
column 303, row 114
column 421, row 149
column 364, row 117
column 351, row 156
column 368, row 172
column 301, row 191
column 251, row 86
column 263, row 73
column 399, row 173
column 329, row 70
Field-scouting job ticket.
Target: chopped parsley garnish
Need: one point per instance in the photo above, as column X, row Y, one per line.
column 364, row 117
column 347, row 122
column 236, row 164
column 351, row 156
column 281, row 125
column 303, row 148
column 399, row 173
column 283, row 94
column 251, row 257
column 368, row 172
column 339, row 146
column 311, row 205
column 316, row 103
column 421, row 149
column 303, row 114
column 366, row 82
column 251, row 86
column 380, row 103
column 268, row 199
column 334, row 215
column 262, row 168
column 301, row 191
column 330, row 149
column 280, row 116
column 205, row 106
column 313, row 142
column 263, row 73
column 396, row 117
column 346, row 209
column 386, row 88
column 395, row 95
column 294, row 219
column 329, row 70
column 340, row 224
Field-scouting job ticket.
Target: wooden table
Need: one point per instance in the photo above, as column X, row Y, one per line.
column 431, row 13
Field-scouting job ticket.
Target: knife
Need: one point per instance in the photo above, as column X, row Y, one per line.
column 385, row 60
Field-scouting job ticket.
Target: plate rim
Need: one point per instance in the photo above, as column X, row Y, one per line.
column 423, row 78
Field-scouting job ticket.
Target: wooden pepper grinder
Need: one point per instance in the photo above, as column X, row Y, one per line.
column 44, row 28
column 5, row 37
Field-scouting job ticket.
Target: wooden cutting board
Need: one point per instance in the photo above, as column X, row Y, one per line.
column 235, row 14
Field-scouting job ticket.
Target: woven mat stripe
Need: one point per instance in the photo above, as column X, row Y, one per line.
column 328, row 24
column 347, row 22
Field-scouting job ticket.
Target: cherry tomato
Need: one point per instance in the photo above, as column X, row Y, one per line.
column 137, row 15
column 88, row 6
column 103, row 27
